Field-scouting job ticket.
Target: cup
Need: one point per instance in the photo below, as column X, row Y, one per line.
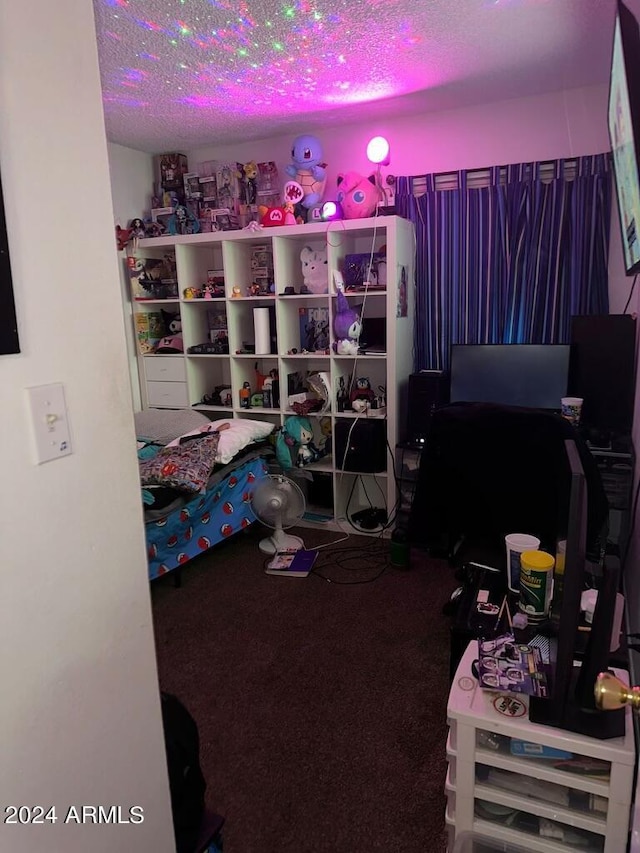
column 571, row 409
column 516, row 544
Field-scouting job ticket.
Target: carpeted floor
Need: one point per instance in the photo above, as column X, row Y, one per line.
column 321, row 707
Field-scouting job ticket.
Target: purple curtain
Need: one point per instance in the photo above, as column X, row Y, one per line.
column 510, row 262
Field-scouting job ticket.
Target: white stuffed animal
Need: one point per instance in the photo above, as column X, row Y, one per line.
column 315, row 270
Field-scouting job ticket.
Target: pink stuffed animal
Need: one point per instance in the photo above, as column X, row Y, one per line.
column 357, row 195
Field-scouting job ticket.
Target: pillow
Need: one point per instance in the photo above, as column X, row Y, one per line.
column 163, row 425
column 183, row 466
column 241, row 432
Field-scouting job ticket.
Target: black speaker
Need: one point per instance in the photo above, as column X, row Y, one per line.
column 601, row 370
column 428, row 390
column 363, row 448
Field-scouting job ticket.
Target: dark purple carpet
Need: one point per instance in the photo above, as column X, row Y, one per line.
column 321, row 707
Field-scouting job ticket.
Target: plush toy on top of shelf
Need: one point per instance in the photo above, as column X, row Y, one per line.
column 347, row 327
column 273, row 216
column 308, row 169
column 358, row 196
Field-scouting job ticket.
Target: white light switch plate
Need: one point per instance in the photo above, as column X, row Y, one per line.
column 49, row 421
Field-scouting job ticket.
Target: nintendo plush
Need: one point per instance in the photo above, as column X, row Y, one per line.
column 314, row 270
column 358, row 196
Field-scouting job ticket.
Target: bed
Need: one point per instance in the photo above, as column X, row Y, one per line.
column 197, row 479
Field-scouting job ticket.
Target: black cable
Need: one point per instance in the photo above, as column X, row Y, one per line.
column 633, row 284
column 341, row 557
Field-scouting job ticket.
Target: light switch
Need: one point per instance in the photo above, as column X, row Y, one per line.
column 50, row 424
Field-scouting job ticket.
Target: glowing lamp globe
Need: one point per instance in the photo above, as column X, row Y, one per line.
column 331, row 210
column 378, row 151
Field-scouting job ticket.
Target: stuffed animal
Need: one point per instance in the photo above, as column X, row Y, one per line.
column 358, row 196
column 314, row 270
column 347, row 327
column 272, row 216
column 308, row 169
column 123, row 236
column 362, row 395
column 292, row 443
column 172, row 342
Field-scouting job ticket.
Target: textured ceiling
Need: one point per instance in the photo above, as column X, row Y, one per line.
column 185, row 73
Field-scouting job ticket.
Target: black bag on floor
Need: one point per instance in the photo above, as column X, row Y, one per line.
column 186, row 781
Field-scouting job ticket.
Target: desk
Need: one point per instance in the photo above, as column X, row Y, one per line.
column 486, row 782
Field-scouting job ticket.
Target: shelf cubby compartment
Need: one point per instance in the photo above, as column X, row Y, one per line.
column 304, row 323
column 371, row 370
column 194, row 262
column 240, row 266
column 317, row 488
column 364, row 242
column 355, row 492
column 204, row 321
column 287, row 252
column 205, row 373
column 255, row 370
column 293, row 373
column 241, row 323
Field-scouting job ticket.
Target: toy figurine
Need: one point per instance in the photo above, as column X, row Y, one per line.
column 251, row 182
column 182, row 221
column 123, row 236
column 362, row 395
column 347, row 327
column 292, row 442
column 308, row 169
column 245, row 396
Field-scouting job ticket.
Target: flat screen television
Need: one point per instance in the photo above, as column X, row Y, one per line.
column 624, row 131
column 532, row 375
column 571, row 704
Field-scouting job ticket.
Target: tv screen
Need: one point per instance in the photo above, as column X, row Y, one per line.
column 624, row 131
column 533, row 375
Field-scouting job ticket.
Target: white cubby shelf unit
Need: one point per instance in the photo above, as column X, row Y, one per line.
column 184, row 380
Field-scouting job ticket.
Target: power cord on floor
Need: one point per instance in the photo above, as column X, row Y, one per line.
column 342, row 557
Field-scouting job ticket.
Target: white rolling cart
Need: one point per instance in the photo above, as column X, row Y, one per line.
column 487, row 785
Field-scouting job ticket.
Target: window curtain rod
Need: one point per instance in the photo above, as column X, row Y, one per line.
column 478, row 178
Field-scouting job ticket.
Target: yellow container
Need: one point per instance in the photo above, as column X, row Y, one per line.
column 536, row 582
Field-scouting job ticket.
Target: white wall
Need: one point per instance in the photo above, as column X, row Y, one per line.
column 559, row 124
column 131, row 187
column 79, row 714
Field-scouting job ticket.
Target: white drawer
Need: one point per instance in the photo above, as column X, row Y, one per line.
column 165, row 368
column 167, row 394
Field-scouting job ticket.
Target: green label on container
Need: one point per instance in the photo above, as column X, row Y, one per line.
column 535, row 592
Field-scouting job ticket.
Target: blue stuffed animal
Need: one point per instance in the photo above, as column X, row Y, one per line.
column 308, row 169
column 292, row 443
